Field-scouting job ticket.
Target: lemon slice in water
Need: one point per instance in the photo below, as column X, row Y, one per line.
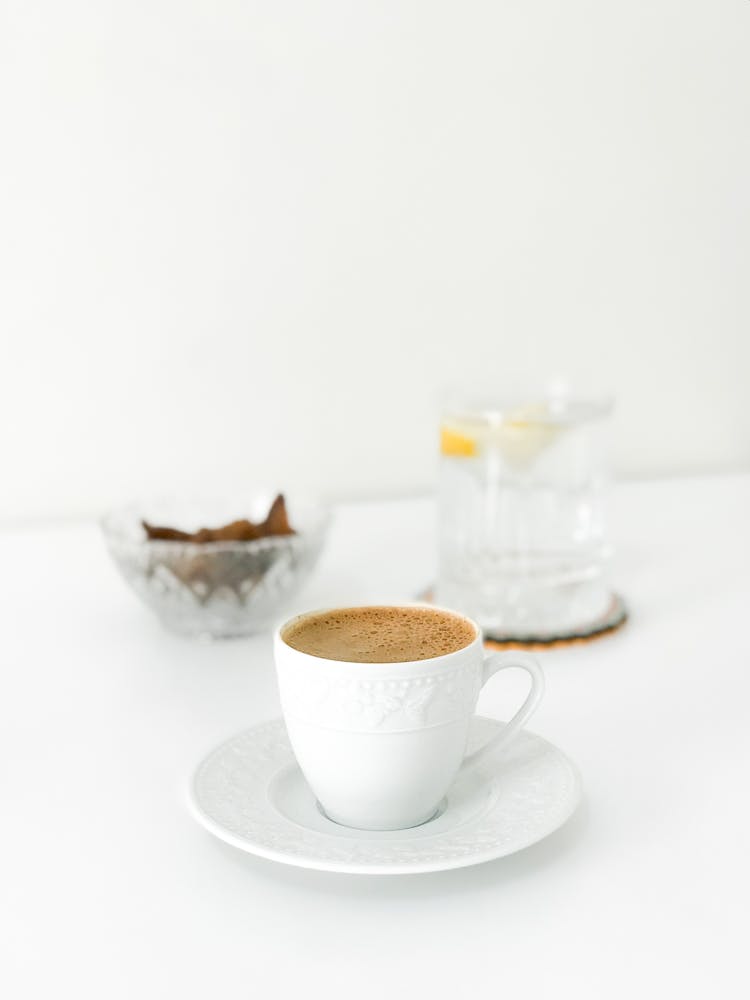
column 525, row 434
column 519, row 437
column 457, row 443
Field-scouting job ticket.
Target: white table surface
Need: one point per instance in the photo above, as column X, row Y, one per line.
column 108, row 888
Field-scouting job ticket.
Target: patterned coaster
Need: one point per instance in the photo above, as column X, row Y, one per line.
column 613, row 618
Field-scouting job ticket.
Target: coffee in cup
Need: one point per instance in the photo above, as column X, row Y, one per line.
column 379, row 634
column 378, row 702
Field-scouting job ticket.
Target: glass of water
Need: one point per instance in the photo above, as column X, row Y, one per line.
column 522, row 546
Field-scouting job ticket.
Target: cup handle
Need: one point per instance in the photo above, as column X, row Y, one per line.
column 504, row 661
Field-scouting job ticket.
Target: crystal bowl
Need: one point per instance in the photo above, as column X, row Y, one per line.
column 215, row 589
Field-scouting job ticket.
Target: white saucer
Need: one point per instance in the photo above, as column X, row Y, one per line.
column 251, row 793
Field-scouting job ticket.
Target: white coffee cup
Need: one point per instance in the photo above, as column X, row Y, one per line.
column 380, row 744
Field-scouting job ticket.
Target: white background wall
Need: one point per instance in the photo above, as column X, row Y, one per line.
column 247, row 241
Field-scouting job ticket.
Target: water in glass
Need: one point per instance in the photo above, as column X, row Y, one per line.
column 522, row 545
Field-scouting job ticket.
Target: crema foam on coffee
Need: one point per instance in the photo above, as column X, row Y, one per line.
column 379, row 634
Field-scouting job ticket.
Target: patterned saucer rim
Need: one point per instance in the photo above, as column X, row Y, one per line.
column 489, row 835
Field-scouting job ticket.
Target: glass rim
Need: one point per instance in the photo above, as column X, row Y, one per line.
column 543, row 407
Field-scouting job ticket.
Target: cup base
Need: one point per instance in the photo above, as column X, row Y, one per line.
column 409, row 826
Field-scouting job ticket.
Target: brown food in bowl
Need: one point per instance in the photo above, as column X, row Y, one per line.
column 276, row 523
